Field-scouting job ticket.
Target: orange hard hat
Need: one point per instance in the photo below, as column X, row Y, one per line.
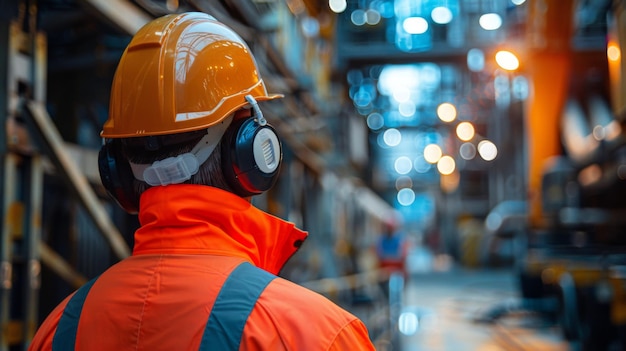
column 181, row 73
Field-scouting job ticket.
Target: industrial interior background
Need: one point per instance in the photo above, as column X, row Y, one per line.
column 508, row 181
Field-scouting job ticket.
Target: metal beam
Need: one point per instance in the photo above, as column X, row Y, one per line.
column 54, row 146
column 123, row 14
column 61, row 267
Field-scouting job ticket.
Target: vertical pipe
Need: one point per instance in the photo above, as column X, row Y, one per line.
column 550, row 28
column 32, row 234
column 6, row 189
column 7, row 181
column 616, row 63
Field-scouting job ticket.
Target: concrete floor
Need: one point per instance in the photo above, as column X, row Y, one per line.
column 441, row 310
column 448, row 307
column 445, row 306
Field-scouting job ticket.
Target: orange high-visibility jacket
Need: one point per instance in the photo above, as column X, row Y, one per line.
column 161, row 298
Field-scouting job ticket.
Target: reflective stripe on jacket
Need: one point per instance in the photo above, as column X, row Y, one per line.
column 191, row 239
column 226, row 321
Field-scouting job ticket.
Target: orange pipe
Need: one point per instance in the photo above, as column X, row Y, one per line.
column 549, row 61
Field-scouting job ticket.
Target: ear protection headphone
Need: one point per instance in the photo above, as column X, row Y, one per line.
column 251, row 158
column 117, row 176
column 251, row 153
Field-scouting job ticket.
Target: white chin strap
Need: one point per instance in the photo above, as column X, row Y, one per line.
column 176, row 170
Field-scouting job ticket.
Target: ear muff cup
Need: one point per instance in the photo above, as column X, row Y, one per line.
column 251, row 156
column 117, row 176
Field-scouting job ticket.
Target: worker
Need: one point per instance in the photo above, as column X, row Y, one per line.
column 392, row 248
column 186, row 147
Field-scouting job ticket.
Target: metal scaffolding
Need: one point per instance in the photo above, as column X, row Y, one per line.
column 28, row 140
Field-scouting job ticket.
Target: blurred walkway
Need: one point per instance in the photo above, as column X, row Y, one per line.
column 441, row 309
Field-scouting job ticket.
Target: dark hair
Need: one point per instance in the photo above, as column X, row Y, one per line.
column 210, row 172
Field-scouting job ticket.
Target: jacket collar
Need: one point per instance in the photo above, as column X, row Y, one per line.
column 197, row 219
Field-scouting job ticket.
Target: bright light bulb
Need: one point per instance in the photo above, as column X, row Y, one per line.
column 406, row 197
column 446, row 112
column 441, row 15
column 446, row 165
column 487, row 150
column 432, row 153
column 613, row 52
column 415, row 25
column 490, row 21
column 337, row 6
column 465, row 131
column 403, row 165
column 507, row 60
column 392, row 137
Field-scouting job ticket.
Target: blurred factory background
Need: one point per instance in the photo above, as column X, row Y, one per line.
column 489, row 132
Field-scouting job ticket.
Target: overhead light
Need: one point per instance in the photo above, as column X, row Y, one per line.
column 441, row 15
column 337, row 6
column 372, row 17
column 415, row 25
column 475, row 60
column 467, row 151
column 403, row 165
column 465, row 131
column 406, row 197
column 487, row 150
column 432, row 153
column 613, row 52
column 446, row 112
column 507, row 60
column 407, row 108
column 490, row 21
column 358, row 17
column 392, row 137
column 375, row 121
column 446, row 165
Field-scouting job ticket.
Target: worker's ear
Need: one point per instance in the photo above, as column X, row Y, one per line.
column 117, row 176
